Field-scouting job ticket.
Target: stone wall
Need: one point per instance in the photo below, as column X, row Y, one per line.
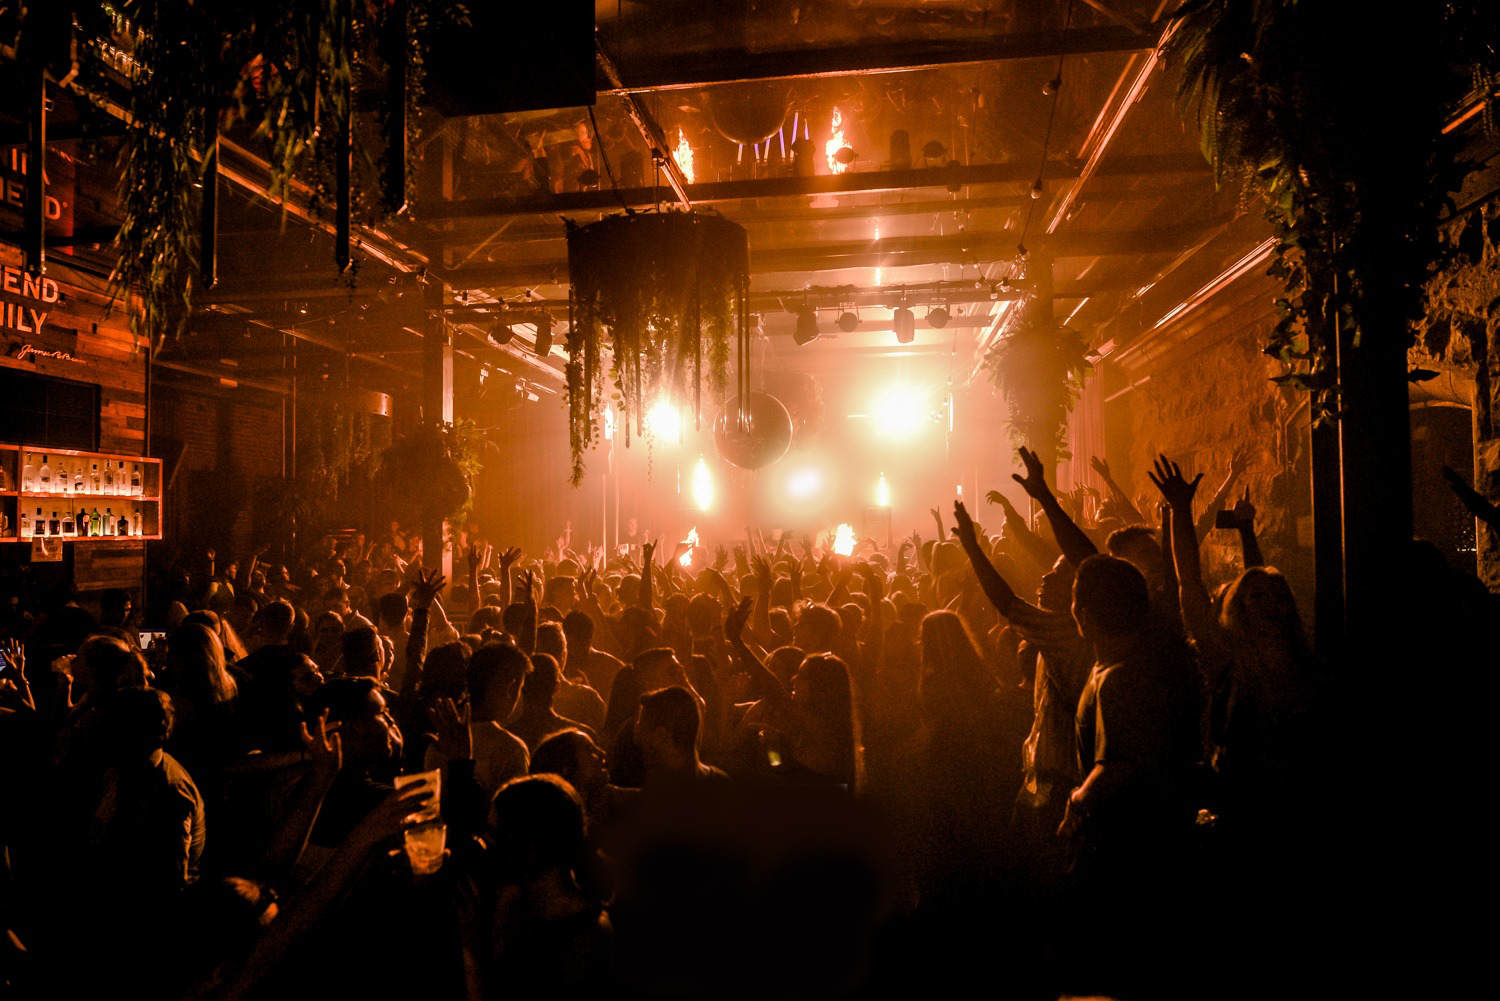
column 1201, row 391
column 1460, row 339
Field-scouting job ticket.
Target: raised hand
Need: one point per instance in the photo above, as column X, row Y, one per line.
column 589, row 576
column 1240, row 460
column 324, row 750
column 529, row 588
column 1101, row 467
column 721, row 557
column 648, row 552
column 455, row 741
column 734, row 625
column 874, row 582
column 964, row 532
column 1175, row 489
column 509, row 557
column 426, row 586
column 14, row 656
column 1035, row 480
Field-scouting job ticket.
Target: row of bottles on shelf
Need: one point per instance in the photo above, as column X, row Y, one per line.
column 82, row 525
column 69, row 476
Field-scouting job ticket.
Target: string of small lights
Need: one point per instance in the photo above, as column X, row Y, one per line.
column 1052, row 88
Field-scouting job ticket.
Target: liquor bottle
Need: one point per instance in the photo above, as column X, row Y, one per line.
column 109, row 522
column 124, row 526
column 54, row 525
column 135, row 523
column 68, row 527
column 78, row 479
column 109, row 478
column 94, row 480
column 25, row 524
column 28, row 476
column 4, row 477
column 39, row 527
column 44, row 478
column 96, row 524
column 135, row 479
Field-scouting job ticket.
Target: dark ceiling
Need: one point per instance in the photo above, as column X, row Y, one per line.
column 1127, row 221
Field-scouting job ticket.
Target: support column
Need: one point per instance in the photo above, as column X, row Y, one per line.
column 437, row 408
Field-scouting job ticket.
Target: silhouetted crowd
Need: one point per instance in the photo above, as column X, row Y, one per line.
column 1057, row 758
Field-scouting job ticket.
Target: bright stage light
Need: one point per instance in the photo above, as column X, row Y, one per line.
column 899, row 414
column 692, row 543
column 882, row 493
column 703, row 487
column 664, row 421
column 804, row 484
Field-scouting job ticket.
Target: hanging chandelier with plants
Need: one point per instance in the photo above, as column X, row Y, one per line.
column 657, row 300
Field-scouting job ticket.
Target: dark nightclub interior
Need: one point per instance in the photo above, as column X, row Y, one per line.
column 932, row 495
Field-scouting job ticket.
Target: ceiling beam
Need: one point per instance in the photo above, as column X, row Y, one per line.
column 689, row 72
column 895, row 252
column 708, row 192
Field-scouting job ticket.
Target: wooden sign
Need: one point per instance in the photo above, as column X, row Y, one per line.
column 46, row 550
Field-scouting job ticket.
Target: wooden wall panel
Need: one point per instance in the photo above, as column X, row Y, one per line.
column 94, row 333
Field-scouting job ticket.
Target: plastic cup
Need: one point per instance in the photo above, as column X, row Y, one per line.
column 425, row 845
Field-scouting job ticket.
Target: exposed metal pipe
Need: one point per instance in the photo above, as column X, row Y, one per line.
column 650, row 131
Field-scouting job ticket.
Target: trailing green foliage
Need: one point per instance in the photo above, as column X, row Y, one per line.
column 1039, row 368
column 1333, row 117
column 656, row 290
column 290, row 69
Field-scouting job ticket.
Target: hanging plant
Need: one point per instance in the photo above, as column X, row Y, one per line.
column 291, row 69
column 658, row 293
column 1297, row 103
column 430, row 472
column 1039, row 370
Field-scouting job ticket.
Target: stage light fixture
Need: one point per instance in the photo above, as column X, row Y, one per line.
column 500, row 334
column 804, row 484
column 937, row 317
column 544, row 335
column 905, row 325
column 848, row 321
column 899, row 414
column 807, row 326
column 882, row 492
column 703, row 489
column 664, row 422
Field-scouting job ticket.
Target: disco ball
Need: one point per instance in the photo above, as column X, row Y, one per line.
column 764, row 437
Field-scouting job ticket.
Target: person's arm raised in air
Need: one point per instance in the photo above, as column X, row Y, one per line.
column 1075, row 545
column 325, row 756
column 1244, row 523
column 764, row 578
column 648, row 557
column 527, row 640
column 301, row 913
column 424, row 590
column 1238, row 463
column 1001, row 594
column 1031, row 545
column 13, row 656
column 1120, row 497
column 763, row 682
column 1168, row 559
column 1473, row 500
column 508, row 559
column 1192, row 596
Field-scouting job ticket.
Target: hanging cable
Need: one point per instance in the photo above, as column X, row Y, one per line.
column 1055, row 86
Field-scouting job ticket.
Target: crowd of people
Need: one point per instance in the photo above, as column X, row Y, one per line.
column 1057, row 756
